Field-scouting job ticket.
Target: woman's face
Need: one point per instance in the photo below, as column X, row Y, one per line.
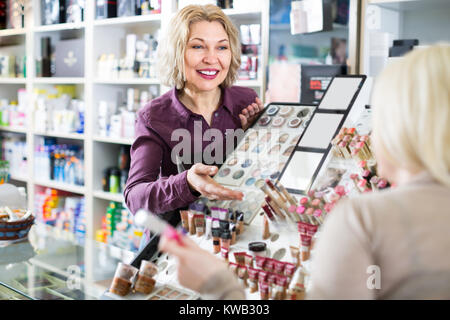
column 207, row 57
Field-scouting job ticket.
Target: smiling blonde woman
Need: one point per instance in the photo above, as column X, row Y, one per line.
column 199, row 58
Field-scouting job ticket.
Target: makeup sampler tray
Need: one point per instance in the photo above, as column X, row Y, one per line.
column 261, row 154
column 287, row 144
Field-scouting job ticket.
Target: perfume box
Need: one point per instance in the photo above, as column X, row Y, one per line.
column 69, row 58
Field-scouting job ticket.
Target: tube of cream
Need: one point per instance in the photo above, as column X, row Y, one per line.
column 233, row 233
column 297, row 285
column 199, row 220
column 264, row 290
column 242, row 275
column 266, row 229
column 208, row 227
column 191, row 222
column 216, row 239
column 233, row 267
column 253, row 279
column 260, row 262
column 279, row 266
column 223, row 214
column 184, row 219
column 305, row 246
column 240, row 222
column 215, row 212
column 295, row 254
column 239, row 257
column 248, row 260
column 289, row 270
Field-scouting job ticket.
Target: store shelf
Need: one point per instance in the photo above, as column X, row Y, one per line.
column 61, row 186
column 243, row 14
column 117, row 197
column 13, row 80
column 19, row 178
column 126, row 141
column 248, row 83
column 14, row 129
column 59, row 27
column 12, row 32
column 126, row 21
column 75, row 136
column 139, row 81
column 405, row 5
column 59, row 80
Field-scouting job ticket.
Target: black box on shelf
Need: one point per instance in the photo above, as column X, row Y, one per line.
column 53, row 11
column 105, row 9
column 69, row 58
column 3, row 14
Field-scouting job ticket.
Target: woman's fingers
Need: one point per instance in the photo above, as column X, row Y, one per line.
column 205, row 170
column 244, row 120
column 217, row 190
column 251, row 110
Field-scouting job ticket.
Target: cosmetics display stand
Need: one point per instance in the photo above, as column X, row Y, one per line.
column 284, row 234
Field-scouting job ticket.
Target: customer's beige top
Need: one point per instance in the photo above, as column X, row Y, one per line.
column 404, row 231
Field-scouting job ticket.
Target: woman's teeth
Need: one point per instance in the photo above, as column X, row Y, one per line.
column 208, row 73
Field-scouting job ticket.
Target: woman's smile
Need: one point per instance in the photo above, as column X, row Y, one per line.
column 208, row 74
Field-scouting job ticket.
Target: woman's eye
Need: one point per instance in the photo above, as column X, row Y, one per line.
column 197, row 47
column 223, row 48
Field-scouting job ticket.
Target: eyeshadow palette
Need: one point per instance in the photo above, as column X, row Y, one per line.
column 266, row 147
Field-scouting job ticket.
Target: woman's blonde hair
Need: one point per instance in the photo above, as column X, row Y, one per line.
column 172, row 48
column 411, row 111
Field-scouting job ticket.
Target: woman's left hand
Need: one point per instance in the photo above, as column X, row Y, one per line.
column 250, row 113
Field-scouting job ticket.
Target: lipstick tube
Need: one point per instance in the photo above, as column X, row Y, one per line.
column 274, row 207
column 268, row 212
column 354, row 178
column 382, row 184
column 362, row 184
column 290, row 198
column 275, row 190
column 373, row 183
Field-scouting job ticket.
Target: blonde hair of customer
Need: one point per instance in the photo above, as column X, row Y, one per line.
column 172, row 48
column 411, row 111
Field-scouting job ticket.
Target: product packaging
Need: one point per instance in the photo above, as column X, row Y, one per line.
column 123, row 279
column 253, row 279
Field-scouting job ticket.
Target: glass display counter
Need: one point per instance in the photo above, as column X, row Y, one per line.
column 48, row 266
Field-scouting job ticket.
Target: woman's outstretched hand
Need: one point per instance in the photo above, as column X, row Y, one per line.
column 250, row 113
column 199, row 179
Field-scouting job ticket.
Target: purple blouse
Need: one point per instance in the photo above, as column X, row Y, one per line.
column 154, row 182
